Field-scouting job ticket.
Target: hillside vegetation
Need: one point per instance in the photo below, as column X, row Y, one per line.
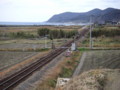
column 99, row 16
column 106, row 32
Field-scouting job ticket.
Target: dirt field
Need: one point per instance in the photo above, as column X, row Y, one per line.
column 8, row 59
column 29, row 44
column 109, row 59
column 21, row 46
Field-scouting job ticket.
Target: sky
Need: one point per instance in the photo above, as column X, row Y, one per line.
column 42, row 10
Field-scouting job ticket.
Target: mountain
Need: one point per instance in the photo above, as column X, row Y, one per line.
column 97, row 15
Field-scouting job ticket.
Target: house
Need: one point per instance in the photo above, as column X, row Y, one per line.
column 118, row 23
column 111, row 22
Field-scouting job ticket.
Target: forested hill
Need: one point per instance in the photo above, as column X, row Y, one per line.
column 98, row 15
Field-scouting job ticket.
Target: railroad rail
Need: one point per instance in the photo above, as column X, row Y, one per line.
column 13, row 80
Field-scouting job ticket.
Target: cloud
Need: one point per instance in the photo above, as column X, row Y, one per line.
column 41, row 10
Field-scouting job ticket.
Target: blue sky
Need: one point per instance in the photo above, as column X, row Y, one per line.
column 42, row 10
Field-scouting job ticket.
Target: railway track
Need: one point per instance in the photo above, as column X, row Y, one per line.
column 10, row 82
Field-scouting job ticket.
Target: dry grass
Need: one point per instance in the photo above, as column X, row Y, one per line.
column 28, row 41
column 94, row 80
column 50, row 80
column 103, row 41
column 18, row 66
column 24, row 49
column 7, row 49
column 33, row 29
column 113, row 42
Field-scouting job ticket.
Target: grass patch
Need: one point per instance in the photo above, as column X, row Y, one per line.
column 52, row 82
column 25, row 41
column 83, row 49
column 66, row 72
column 25, row 50
column 102, row 42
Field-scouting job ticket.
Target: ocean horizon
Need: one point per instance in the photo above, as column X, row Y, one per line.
column 40, row 23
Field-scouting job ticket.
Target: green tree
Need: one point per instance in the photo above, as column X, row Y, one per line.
column 43, row 31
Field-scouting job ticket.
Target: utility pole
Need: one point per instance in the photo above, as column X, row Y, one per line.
column 45, row 43
column 91, row 33
column 53, row 46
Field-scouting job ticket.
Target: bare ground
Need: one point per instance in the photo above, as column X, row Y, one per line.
column 15, row 61
column 109, row 59
column 30, row 44
column 8, row 59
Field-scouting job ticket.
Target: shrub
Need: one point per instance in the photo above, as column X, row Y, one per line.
column 21, row 35
column 43, row 31
column 52, row 82
column 52, row 34
column 108, row 33
column 66, row 72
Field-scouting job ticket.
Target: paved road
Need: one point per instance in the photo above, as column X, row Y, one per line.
column 76, row 73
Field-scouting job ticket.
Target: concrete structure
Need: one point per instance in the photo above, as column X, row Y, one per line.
column 61, row 82
column 73, row 47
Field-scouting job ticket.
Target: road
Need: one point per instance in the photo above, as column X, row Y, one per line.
column 78, row 69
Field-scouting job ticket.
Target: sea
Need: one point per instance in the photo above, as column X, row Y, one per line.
column 41, row 23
